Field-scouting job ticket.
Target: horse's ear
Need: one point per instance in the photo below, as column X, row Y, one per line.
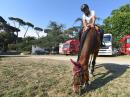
column 75, row 63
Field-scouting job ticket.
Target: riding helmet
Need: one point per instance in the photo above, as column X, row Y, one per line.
column 84, row 7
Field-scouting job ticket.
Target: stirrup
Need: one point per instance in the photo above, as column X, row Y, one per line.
column 102, row 45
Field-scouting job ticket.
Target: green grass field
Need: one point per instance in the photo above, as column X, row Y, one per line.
column 33, row 77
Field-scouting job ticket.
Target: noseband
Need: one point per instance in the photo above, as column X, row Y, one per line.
column 81, row 72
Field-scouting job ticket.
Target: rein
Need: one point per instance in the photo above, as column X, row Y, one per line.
column 81, row 72
column 80, row 76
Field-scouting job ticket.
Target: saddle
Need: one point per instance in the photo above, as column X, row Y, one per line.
column 82, row 31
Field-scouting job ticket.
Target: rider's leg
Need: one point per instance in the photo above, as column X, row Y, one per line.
column 80, row 34
column 101, row 36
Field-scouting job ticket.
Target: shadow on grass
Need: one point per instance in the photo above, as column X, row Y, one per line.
column 113, row 71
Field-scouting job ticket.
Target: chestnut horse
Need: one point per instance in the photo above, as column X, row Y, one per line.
column 84, row 67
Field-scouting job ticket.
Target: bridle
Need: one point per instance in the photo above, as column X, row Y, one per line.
column 81, row 72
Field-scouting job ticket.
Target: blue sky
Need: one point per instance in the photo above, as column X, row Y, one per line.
column 40, row 12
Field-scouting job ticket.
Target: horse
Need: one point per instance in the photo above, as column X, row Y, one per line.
column 84, row 67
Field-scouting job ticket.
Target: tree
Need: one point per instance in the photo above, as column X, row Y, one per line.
column 28, row 25
column 13, row 19
column 47, row 30
column 26, row 44
column 7, row 35
column 107, row 25
column 72, row 32
column 8, row 28
column 118, row 23
column 6, row 39
column 2, row 20
column 38, row 30
column 78, row 20
column 55, row 35
column 20, row 23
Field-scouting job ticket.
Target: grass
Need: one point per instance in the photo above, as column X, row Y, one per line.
column 33, row 77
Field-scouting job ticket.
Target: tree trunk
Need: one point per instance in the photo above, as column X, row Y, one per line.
column 37, row 34
column 14, row 23
column 26, row 31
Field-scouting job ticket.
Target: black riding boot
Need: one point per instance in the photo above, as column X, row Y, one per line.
column 101, row 37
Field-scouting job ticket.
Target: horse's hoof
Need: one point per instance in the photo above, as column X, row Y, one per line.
column 79, row 92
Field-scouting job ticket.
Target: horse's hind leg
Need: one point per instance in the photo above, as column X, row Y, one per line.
column 90, row 65
column 93, row 63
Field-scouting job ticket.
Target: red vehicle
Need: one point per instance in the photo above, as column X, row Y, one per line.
column 71, row 47
column 125, row 45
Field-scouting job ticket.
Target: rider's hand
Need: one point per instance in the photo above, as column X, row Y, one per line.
column 92, row 25
column 85, row 29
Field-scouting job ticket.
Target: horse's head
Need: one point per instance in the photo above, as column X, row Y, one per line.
column 77, row 76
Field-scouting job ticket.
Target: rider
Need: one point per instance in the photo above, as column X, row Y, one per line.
column 88, row 20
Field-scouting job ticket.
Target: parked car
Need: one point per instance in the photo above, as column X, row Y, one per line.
column 39, row 51
column 116, row 52
column 71, row 47
column 125, row 45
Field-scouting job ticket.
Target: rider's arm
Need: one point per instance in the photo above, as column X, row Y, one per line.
column 84, row 24
column 92, row 23
column 93, row 18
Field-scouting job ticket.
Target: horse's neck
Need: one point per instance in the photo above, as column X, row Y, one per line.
column 85, row 52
